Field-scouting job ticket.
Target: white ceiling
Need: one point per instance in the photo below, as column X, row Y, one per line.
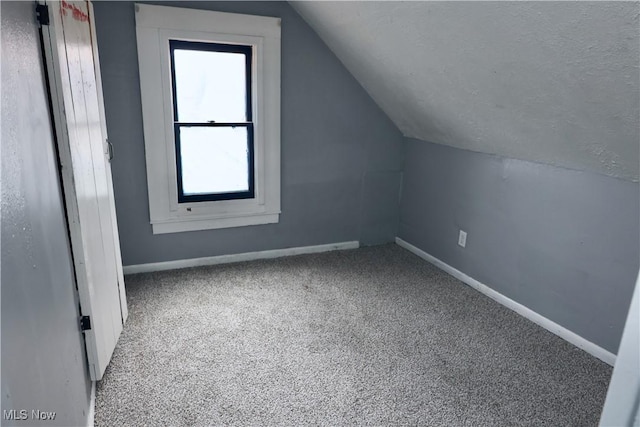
column 551, row 82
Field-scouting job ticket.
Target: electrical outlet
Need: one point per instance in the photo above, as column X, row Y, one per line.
column 462, row 238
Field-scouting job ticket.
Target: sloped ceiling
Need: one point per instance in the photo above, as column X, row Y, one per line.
column 551, row 82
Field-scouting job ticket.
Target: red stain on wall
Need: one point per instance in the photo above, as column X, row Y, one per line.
column 77, row 14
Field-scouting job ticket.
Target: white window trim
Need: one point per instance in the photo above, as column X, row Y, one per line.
column 155, row 25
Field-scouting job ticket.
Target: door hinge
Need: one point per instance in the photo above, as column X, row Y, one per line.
column 85, row 323
column 42, row 14
column 109, row 150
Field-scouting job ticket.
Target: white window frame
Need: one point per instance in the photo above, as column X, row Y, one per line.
column 155, row 25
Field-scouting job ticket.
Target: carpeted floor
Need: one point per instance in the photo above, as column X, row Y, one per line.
column 371, row 336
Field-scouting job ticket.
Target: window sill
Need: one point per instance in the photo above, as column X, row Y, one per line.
column 182, row 224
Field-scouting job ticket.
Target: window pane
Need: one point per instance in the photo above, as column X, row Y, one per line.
column 210, row 86
column 214, row 160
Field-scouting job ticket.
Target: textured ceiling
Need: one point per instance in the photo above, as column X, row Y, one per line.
column 551, row 82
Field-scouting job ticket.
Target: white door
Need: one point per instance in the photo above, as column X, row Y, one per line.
column 69, row 45
column 622, row 406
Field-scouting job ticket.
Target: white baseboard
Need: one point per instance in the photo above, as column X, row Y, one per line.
column 575, row 339
column 92, row 406
column 247, row 256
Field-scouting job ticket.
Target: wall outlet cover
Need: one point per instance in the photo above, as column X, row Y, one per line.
column 462, row 238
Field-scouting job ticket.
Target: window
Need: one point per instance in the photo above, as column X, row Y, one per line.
column 210, row 86
column 214, row 157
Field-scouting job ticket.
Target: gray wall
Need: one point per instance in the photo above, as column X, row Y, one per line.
column 341, row 155
column 562, row 242
column 43, row 359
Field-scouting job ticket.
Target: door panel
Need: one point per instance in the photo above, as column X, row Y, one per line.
column 86, row 177
column 112, row 202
